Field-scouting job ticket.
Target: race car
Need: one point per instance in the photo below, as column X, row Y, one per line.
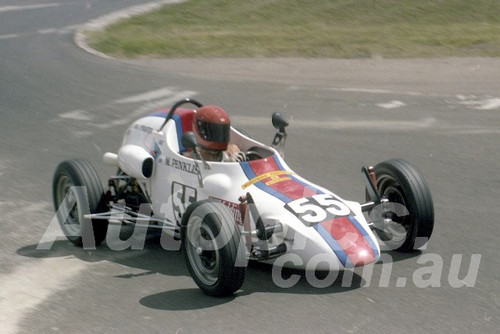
column 227, row 212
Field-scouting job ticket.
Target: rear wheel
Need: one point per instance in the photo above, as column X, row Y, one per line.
column 411, row 226
column 77, row 191
column 213, row 248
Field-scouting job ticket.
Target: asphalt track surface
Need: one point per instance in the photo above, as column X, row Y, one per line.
column 58, row 101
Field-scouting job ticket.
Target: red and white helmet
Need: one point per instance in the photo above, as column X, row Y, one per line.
column 211, row 126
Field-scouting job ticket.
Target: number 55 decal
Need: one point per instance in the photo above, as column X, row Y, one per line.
column 317, row 208
column 182, row 196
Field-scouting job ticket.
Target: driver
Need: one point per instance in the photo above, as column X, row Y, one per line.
column 211, row 126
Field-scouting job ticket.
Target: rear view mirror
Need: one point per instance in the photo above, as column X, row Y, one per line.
column 279, row 122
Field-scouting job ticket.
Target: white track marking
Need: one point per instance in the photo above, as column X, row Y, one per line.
column 371, row 91
column 27, row 7
column 341, row 124
column 163, row 103
column 9, row 36
column 58, row 31
column 148, row 96
column 480, row 104
column 148, row 102
column 31, row 284
column 32, row 281
column 391, row 105
column 375, row 125
column 46, row 31
column 146, row 108
column 78, row 115
column 490, row 104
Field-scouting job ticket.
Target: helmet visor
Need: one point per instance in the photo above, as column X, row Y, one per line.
column 213, row 132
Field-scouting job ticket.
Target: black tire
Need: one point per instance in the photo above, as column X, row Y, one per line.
column 77, row 190
column 400, row 182
column 213, row 248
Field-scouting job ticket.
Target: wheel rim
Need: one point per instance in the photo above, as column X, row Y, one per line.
column 68, row 210
column 202, row 252
column 396, row 228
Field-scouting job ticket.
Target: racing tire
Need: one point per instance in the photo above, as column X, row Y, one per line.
column 77, row 191
column 213, row 248
column 401, row 183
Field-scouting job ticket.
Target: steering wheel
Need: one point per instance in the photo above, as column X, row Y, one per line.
column 254, row 153
column 177, row 105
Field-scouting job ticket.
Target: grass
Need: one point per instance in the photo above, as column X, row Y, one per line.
column 308, row 28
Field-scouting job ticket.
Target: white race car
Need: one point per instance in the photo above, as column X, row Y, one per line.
column 228, row 212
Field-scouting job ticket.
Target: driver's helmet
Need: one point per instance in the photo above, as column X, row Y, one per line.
column 211, row 126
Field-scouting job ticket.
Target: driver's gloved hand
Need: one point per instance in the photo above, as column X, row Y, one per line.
column 239, row 157
column 235, row 157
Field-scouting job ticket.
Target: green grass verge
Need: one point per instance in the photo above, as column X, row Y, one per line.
column 308, row 28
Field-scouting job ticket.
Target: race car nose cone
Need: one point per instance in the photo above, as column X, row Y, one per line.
column 349, row 241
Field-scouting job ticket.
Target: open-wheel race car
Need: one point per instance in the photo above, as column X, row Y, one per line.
column 229, row 211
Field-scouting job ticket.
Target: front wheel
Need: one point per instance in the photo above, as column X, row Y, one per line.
column 213, row 248
column 409, row 223
column 77, row 191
